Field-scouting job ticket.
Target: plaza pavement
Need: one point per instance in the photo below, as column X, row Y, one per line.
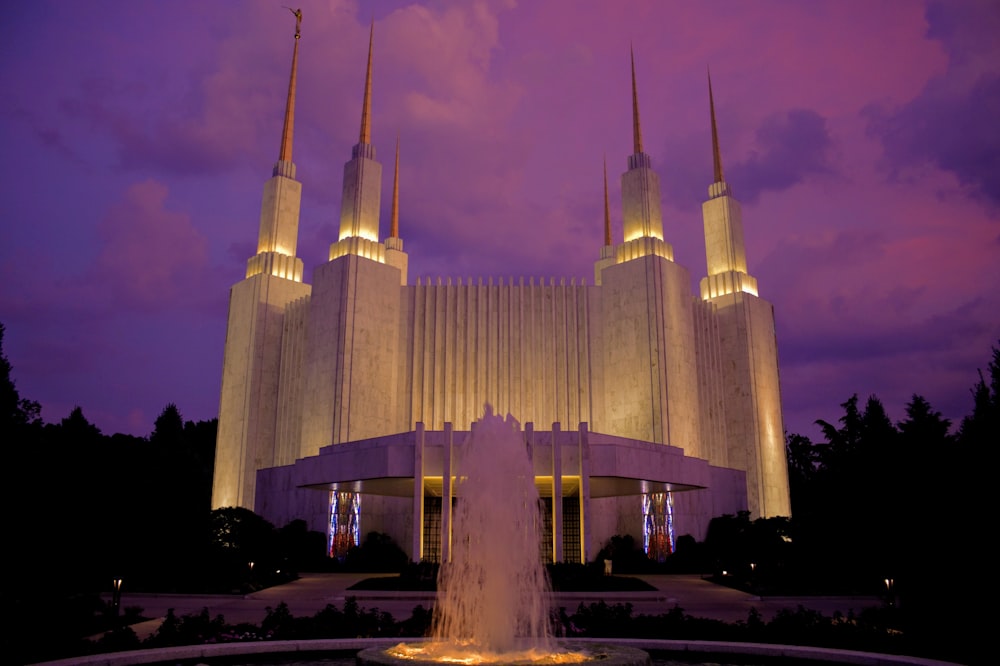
column 312, row 592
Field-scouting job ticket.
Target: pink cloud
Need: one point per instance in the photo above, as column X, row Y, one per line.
column 152, row 256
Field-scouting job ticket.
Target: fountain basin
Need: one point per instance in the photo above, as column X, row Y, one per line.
column 344, row 652
column 427, row 653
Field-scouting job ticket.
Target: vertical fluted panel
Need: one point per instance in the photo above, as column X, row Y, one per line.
column 573, row 357
column 531, row 405
column 451, row 347
column 439, row 358
column 417, row 386
column 289, row 417
column 464, row 358
column 710, row 383
column 523, row 347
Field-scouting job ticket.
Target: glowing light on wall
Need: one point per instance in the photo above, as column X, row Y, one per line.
column 366, row 234
column 728, row 282
column 360, row 246
column 345, row 523
column 643, row 233
column 658, row 540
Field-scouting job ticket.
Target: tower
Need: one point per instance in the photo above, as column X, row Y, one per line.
column 608, row 249
column 249, row 401
column 642, row 218
column 649, row 349
column 394, row 255
column 753, row 429
column 352, row 340
column 362, row 186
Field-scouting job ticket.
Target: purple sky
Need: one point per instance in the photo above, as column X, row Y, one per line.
column 862, row 138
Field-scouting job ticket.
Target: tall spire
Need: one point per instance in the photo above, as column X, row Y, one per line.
column 607, row 207
column 285, row 155
column 366, row 109
column 725, row 250
column 642, row 216
column 716, row 153
column 394, row 216
column 636, row 131
column 362, row 190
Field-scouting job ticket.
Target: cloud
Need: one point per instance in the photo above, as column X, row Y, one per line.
column 967, row 30
column 951, row 123
column 954, row 132
column 198, row 95
column 151, row 256
column 790, row 147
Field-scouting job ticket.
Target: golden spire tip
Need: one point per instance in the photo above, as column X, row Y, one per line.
column 394, row 216
column 636, row 129
column 716, row 152
column 366, row 107
column 607, row 208
column 285, row 153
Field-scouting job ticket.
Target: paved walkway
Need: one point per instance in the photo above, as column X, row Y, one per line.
column 312, row 592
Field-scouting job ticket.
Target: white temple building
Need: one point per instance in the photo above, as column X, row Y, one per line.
column 647, row 410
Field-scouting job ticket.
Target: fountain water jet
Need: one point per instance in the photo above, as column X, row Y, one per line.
column 493, row 595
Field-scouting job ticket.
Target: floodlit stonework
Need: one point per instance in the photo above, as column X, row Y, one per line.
column 355, row 391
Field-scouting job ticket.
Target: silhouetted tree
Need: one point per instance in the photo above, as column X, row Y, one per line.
column 953, row 502
column 301, row 549
column 21, row 434
column 802, row 459
column 837, row 454
column 925, row 440
column 855, row 497
column 78, row 430
column 982, row 426
column 725, row 543
column 626, row 555
column 15, row 411
column 238, row 537
column 378, row 552
column 179, row 492
column 924, row 428
column 688, row 556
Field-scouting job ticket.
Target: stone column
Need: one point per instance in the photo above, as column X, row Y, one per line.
column 446, row 490
column 585, row 532
column 418, row 493
column 557, row 491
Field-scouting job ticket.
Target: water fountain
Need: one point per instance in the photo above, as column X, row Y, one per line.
column 493, row 595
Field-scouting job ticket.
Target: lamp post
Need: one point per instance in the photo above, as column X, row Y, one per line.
column 116, row 595
column 889, row 589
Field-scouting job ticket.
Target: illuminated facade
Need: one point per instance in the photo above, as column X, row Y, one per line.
column 648, row 410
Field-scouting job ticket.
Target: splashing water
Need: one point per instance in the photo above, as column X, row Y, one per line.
column 493, row 594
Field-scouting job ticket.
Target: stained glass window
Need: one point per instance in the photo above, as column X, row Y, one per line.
column 345, row 523
column 658, row 525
